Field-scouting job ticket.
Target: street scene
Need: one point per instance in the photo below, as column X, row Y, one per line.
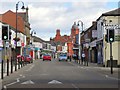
column 71, row 45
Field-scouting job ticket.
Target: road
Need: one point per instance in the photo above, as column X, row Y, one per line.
column 58, row 74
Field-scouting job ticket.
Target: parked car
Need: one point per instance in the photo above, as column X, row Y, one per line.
column 63, row 57
column 46, row 57
column 20, row 58
column 28, row 58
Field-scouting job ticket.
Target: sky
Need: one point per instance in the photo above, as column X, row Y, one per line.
column 46, row 16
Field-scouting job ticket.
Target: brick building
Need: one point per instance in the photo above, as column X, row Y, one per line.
column 72, row 40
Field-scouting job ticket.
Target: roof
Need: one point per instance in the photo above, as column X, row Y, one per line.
column 55, row 43
column 9, row 18
column 115, row 12
column 37, row 39
column 74, row 25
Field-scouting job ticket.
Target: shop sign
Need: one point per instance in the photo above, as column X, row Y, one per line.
column 87, row 40
column 117, row 37
column 22, row 44
column 37, row 48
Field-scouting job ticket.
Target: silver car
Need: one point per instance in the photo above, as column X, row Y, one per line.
column 63, row 57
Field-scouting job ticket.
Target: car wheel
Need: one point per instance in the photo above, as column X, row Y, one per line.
column 50, row 59
column 66, row 60
column 43, row 59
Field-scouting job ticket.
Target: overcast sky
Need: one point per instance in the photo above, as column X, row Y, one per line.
column 46, row 16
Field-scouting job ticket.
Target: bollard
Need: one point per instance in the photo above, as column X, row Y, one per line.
column 7, row 67
column 11, row 65
column 19, row 63
column 2, row 70
column 15, row 65
column 87, row 62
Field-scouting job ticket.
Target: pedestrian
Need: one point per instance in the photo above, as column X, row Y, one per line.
column 70, row 58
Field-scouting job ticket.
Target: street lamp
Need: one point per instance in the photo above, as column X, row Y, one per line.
column 16, row 30
column 32, row 32
column 79, row 37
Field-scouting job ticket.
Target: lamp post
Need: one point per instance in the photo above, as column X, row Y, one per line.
column 79, row 37
column 32, row 32
column 16, row 31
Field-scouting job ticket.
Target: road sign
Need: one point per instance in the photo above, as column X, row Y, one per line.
column 1, row 48
column 83, row 55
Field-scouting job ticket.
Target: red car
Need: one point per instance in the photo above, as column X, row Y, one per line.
column 46, row 57
column 28, row 58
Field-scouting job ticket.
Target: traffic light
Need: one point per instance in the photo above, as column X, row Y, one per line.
column 5, row 33
column 106, row 36
column 10, row 35
column 111, row 35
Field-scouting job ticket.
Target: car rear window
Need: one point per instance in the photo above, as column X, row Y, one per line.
column 63, row 55
column 26, row 55
column 46, row 55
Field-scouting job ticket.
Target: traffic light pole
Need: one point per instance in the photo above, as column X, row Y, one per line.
column 111, row 58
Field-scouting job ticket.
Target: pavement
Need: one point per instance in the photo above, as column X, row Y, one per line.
column 101, row 69
column 5, row 72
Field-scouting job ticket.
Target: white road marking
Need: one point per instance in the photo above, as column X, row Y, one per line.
column 54, row 82
column 5, row 86
column 30, row 68
column 111, row 77
column 75, row 86
column 28, row 82
column 18, row 79
column 21, row 75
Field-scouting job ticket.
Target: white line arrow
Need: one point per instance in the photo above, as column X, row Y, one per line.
column 28, row 82
column 54, row 82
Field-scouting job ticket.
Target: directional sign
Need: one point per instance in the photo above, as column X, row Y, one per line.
column 83, row 55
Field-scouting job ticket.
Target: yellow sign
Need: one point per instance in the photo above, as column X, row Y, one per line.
column 5, row 57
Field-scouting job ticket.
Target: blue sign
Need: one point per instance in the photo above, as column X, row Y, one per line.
column 37, row 48
column 29, row 48
column 77, row 38
column 1, row 48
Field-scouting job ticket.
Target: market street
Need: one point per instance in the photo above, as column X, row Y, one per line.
column 59, row 74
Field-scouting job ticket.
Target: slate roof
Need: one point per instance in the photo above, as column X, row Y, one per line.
column 55, row 43
column 115, row 12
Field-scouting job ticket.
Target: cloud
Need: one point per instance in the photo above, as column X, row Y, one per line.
column 46, row 20
column 47, row 16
